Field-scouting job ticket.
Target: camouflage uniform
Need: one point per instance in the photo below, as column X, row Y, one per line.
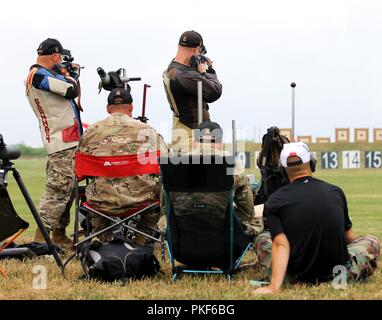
column 182, row 137
column 116, row 135
column 363, row 254
column 243, row 201
column 59, row 193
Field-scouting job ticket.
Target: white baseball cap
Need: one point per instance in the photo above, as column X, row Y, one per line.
column 294, row 149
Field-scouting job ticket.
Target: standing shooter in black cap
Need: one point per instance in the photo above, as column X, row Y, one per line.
column 51, row 90
column 180, row 82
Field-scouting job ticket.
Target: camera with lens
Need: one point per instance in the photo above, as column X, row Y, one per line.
column 114, row 79
column 8, row 152
column 68, row 66
column 200, row 58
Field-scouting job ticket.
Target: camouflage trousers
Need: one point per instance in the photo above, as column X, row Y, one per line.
column 59, row 192
column 363, row 255
column 182, row 137
column 243, row 203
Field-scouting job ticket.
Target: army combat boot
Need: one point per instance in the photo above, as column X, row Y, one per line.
column 38, row 237
column 59, row 237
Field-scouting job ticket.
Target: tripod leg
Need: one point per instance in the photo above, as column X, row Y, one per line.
column 37, row 218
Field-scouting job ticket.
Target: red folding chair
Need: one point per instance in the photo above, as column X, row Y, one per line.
column 87, row 166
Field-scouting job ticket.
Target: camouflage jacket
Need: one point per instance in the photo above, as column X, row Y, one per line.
column 116, row 135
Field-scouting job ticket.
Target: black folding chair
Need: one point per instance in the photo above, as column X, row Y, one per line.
column 204, row 242
column 11, row 225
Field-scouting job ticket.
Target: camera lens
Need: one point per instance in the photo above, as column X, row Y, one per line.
column 2, row 144
column 101, row 72
column 11, row 152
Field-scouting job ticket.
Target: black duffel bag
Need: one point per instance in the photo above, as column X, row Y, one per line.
column 118, row 260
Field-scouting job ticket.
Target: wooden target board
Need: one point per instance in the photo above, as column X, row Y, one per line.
column 361, row 135
column 342, row 135
column 378, row 135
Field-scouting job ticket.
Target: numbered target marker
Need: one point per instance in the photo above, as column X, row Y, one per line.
column 329, row 160
column 373, row 159
column 351, row 159
column 244, row 159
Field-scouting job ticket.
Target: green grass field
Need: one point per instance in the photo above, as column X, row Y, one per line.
column 363, row 190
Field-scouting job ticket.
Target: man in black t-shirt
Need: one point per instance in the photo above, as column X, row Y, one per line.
column 310, row 235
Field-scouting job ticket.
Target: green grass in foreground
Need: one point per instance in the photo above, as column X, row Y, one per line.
column 363, row 190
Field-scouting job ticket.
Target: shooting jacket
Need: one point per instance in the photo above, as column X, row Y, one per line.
column 51, row 97
column 180, row 83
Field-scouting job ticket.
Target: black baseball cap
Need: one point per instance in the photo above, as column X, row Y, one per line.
column 50, row 46
column 190, row 39
column 121, row 93
column 209, row 131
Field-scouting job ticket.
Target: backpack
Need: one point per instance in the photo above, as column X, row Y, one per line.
column 118, row 260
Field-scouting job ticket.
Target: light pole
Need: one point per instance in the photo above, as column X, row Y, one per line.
column 293, row 85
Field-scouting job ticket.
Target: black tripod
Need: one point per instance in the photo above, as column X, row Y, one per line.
column 5, row 167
